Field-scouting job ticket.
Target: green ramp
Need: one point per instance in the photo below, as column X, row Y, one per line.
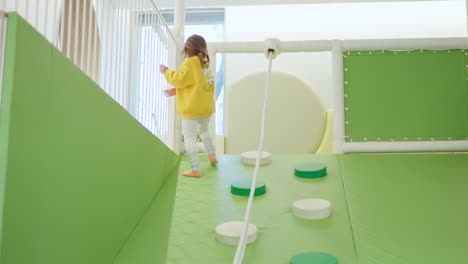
column 408, row 208
column 77, row 172
column 201, row 204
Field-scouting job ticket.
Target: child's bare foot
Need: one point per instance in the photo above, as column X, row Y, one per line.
column 213, row 159
column 190, row 173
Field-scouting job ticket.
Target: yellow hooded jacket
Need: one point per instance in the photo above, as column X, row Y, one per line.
column 195, row 89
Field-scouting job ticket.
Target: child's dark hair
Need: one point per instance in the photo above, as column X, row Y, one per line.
column 196, row 46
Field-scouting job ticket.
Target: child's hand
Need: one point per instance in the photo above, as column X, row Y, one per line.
column 170, row 92
column 162, row 68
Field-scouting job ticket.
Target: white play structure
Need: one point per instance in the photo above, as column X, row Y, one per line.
column 337, row 47
column 314, row 132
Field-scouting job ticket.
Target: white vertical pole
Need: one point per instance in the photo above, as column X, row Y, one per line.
column 70, row 9
column 62, row 26
column 146, row 45
column 3, row 22
column 111, row 48
column 151, row 49
column 173, row 109
column 163, row 114
column 46, row 19
column 163, row 85
column 108, row 40
column 158, row 43
column 136, row 84
column 128, row 51
column 338, row 96
column 83, row 35
column 153, row 61
column 55, row 13
column 96, row 57
column 36, row 17
column 130, row 57
column 466, row 7
column 123, row 53
column 26, row 13
column 118, row 72
column 89, row 49
column 76, row 33
column 179, row 22
column 212, row 54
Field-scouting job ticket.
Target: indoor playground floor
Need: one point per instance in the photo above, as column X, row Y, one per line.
column 386, row 209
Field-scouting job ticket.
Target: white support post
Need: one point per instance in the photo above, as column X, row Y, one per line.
column 351, row 45
column 3, row 25
column 466, row 7
column 179, row 22
column 212, row 127
column 338, row 91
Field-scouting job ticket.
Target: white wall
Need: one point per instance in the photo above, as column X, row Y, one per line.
column 333, row 21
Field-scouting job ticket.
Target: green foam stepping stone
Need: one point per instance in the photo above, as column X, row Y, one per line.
column 242, row 187
column 313, row 258
column 310, row 170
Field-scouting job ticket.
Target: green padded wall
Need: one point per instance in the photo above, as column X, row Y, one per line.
column 408, row 208
column 79, row 172
column 406, row 95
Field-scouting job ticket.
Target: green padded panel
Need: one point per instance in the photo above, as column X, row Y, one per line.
column 201, row 204
column 310, row 170
column 408, row 208
column 80, row 172
column 148, row 243
column 406, row 96
column 242, row 187
column 313, row 258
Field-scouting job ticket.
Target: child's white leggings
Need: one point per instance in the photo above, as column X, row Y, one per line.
column 189, row 131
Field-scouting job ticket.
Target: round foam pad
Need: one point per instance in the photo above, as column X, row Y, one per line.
column 229, row 233
column 242, row 187
column 243, row 114
column 313, row 258
column 312, row 208
column 310, row 170
column 250, row 157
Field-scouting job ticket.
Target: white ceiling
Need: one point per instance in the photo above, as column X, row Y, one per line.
column 163, row 4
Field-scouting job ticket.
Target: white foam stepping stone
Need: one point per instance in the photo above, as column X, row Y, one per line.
column 229, row 233
column 250, row 157
column 312, row 208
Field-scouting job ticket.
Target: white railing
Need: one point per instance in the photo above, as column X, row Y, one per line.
column 2, row 46
column 117, row 43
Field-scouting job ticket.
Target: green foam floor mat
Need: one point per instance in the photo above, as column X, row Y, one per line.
column 202, row 204
column 408, row 209
column 386, row 209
